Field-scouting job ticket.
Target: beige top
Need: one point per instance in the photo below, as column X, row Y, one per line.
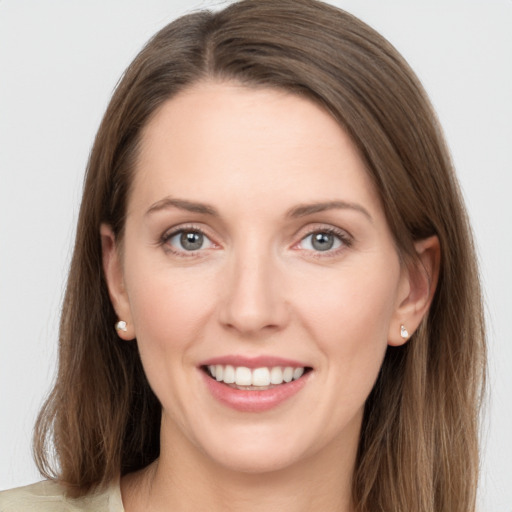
column 49, row 497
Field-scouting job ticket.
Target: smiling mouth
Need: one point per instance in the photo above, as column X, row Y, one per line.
column 255, row 379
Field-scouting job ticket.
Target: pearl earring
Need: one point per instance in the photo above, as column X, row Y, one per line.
column 403, row 332
column 121, row 326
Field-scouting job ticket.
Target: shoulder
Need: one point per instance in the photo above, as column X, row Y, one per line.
column 50, row 497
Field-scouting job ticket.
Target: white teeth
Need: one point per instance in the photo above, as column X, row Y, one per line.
column 297, row 373
column 276, row 375
column 261, row 377
column 257, row 377
column 243, row 376
column 229, row 375
column 288, row 374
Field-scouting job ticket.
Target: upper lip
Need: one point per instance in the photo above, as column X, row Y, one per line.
column 253, row 362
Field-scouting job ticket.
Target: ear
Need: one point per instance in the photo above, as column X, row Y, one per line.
column 112, row 267
column 417, row 288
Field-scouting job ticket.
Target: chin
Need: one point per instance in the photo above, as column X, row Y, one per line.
column 259, row 448
column 255, row 460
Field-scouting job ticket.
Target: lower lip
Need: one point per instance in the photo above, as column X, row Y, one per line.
column 254, row 401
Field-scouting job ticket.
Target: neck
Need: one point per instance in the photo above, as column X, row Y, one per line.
column 185, row 479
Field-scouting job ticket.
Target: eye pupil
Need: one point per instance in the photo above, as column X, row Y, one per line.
column 322, row 241
column 191, row 240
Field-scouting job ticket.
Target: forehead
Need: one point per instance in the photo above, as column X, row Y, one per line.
column 226, row 138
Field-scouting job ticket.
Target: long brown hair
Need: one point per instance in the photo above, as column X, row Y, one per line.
column 419, row 441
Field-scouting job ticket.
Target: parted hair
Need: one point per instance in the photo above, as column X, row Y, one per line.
column 418, row 448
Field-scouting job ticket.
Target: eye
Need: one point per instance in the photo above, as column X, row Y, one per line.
column 322, row 241
column 188, row 240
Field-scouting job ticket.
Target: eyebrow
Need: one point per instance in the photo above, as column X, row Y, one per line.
column 309, row 209
column 302, row 210
column 183, row 204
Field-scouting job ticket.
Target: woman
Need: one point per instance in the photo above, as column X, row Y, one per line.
column 271, row 223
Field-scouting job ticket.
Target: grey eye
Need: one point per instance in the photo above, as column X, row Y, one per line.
column 189, row 241
column 321, row 241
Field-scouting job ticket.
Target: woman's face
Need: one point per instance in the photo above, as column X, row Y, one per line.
column 255, row 241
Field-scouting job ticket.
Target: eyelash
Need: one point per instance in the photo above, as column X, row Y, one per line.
column 168, row 235
column 345, row 239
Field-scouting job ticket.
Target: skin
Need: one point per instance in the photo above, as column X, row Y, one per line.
column 257, row 286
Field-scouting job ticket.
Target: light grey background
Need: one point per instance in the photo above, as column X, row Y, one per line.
column 60, row 60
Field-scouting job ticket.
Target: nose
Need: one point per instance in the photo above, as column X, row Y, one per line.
column 253, row 297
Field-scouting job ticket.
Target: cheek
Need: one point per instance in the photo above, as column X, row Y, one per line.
column 349, row 317
column 355, row 301
column 169, row 310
